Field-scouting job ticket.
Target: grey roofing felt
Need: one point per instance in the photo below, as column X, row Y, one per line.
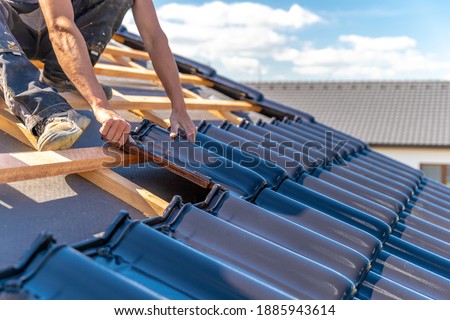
column 403, row 113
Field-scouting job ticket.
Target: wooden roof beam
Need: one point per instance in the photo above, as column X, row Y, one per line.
column 127, row 52
column 11, row 125
column 31, row 165
column 140, row 74
column 129, row 102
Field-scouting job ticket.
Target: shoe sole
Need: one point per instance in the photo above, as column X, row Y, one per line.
column 53, row 143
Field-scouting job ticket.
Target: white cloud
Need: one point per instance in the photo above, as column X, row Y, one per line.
column 361, row 57
column 220, row 14
column 230, row 35
column 248, row 65
column 360, row 43
column 246, row 39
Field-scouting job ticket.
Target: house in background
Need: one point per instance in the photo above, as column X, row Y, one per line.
column 406, row 120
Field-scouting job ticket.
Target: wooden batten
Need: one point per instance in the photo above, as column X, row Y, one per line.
column 38, row 64
column 153, row 117
column 223, row 115
column 11, row 125
column 226, row 115
column 30, row 165
column 129, row 102
column 139, row 74
column 127, row 52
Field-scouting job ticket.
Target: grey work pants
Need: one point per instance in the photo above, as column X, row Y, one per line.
column 24, row 36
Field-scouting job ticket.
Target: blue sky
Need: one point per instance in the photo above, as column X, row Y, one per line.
column 313, row 39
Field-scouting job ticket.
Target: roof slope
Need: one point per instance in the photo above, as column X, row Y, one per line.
column 406, row 113
column 260, row 210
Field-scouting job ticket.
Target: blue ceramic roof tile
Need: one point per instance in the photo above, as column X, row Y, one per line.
column 361, row 236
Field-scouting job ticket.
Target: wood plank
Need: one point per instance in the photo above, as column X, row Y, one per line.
column 118, row 60
column 148, row 203
column 124, row 62
column 163, row 103
column 12, row 126
column 30, row 165
column 153, row 117
column 226, row 115
column 106, row 179
column 127, row 52
column 129, row 102
column 127, row 72
column 38, row 64
column 189, row 94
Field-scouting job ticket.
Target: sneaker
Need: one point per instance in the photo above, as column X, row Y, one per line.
column 61, row 130
column 67, row 86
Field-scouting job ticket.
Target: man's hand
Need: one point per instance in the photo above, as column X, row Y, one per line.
column 114, row 128
column 180, row 120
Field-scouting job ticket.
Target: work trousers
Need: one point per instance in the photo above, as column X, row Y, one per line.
column 24, row 36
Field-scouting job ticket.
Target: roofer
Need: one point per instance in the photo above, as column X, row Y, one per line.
column 69, row 36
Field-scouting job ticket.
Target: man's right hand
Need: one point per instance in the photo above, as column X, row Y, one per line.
column 115, row 129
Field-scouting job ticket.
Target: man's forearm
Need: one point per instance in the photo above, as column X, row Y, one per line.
column 72, row 54
column 165, row 66
column 157, row 45
column 162, row 58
